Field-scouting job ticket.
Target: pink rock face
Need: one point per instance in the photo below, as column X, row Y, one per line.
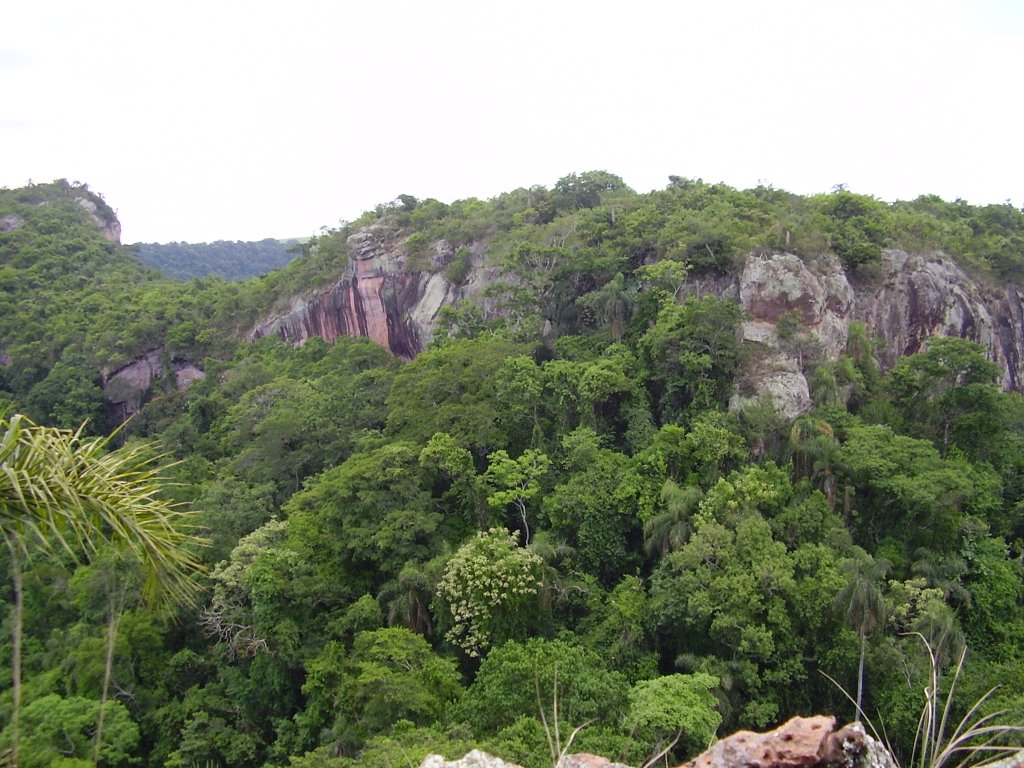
column 366, row 297
column 373, row 298
column 910, row 299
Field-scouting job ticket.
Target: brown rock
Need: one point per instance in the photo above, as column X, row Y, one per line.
column 380, row 297
column 385, row 296
column 798, row 743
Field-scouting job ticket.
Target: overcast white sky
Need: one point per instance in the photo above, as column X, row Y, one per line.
column 242, row 120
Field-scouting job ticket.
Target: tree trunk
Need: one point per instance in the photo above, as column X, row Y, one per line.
column 860, row 673
column 113, row 619
column 16, row 630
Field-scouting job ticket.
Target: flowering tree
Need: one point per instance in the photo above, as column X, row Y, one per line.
column 487, row 587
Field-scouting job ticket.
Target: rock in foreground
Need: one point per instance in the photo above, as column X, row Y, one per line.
column 803, row 742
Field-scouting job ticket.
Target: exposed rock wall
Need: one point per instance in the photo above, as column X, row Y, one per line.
column 911, row 298
column 126, row 388
column 378, row 297
column 802, row 742
column 109, row 229
column 919, row 296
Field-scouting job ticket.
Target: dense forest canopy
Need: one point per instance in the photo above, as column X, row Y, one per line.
column 230, row 259
column 406, row 557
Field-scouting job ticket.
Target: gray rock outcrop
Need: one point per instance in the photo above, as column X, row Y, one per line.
column 109, row 229
column 913, row 299
column 11, row 223
column 127, row 387
column 475, row 759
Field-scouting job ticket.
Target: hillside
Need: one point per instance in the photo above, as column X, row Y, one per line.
column 455, row 459
column 229, row 259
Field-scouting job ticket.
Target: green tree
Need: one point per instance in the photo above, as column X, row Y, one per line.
column 58, row 729
column 668, row 530
column 947, row 394
column 692, row 354
column 584, row 190
column 858, row 227
column 595, row 509
column 61, row 491
column 398, row 677
column 515, row 482
column 68, row 396
column 665, row 709
column 612, row 304
column 391, row 674
column 863, row 605
column 452, row 389
column 518, row 677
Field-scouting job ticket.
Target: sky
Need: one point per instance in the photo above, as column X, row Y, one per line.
column 223, row 120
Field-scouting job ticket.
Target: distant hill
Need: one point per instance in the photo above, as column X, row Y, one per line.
column 230, row 259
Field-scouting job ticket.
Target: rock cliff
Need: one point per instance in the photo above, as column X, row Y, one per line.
column 908, row 299
column 126, row 388
column 379, row 297
column 108, row 224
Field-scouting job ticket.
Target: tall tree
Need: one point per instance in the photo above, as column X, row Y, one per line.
column 863, row 604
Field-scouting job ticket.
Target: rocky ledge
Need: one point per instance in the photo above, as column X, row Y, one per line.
column 803, row 742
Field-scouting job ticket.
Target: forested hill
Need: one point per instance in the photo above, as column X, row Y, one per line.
column 570, row 489
column 230, row 259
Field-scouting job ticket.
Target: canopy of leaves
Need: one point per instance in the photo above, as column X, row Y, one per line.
column 549, row 503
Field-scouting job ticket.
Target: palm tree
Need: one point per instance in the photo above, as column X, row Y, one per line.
column 612, row 303
column 863, row 603
column 61, row 491
column 814, row 448
column 669, row 530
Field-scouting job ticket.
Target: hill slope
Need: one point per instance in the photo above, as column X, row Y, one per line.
column 230, row 259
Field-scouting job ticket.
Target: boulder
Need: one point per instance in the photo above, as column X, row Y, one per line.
column 802, row 742
column 475, row 759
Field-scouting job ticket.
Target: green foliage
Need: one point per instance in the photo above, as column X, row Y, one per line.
column 231, row 260
column 458, row 269
column 517, row 678
column 55, row 728
column 391, row 675
column 579, row 405
column 692, row 354
column 584, row 190
column 947, row 393
column 452, row 390
column 514, row 482
column 858, row 227
column 675, row 707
